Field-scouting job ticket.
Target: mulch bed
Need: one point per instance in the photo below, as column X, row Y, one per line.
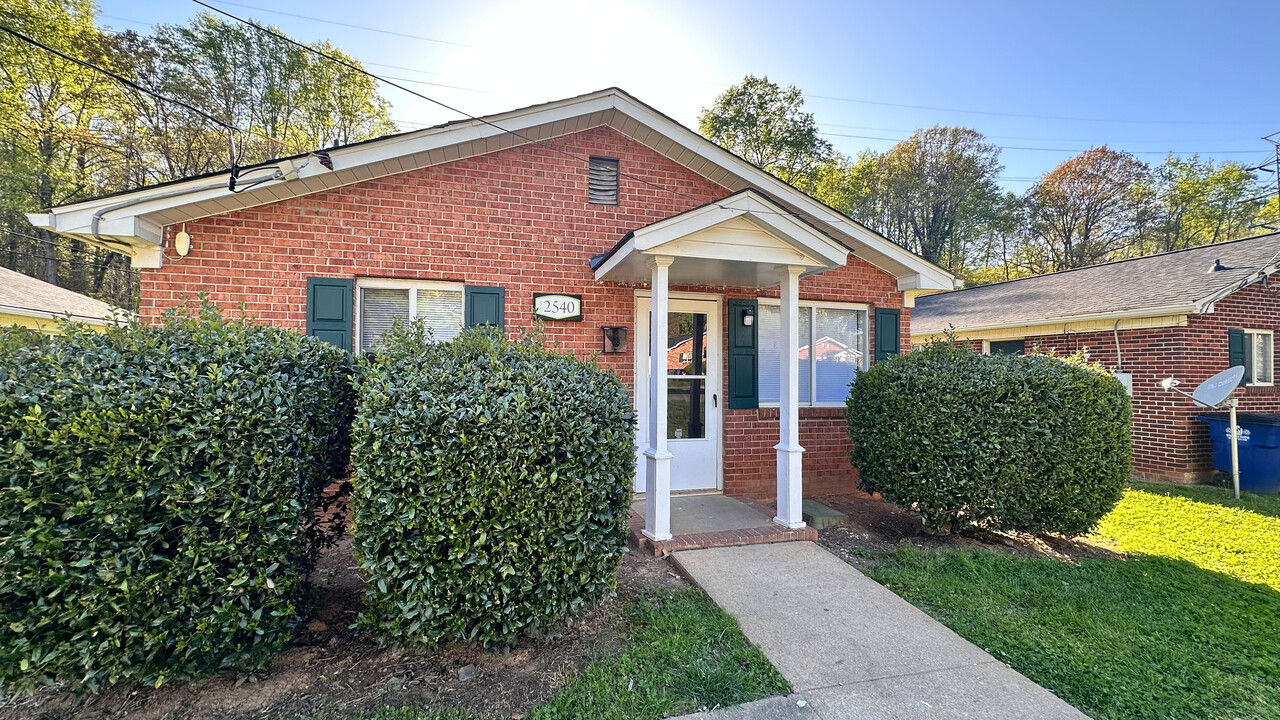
column 330, row 671
column 877, row 527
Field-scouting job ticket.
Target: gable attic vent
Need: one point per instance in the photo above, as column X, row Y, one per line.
column 602, row 181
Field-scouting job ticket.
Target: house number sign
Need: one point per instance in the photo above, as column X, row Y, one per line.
column 558, row 307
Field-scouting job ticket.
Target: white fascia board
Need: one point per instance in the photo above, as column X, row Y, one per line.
column 770, row 217
column 931, row 276
column 1184, row 309
column 616, row 259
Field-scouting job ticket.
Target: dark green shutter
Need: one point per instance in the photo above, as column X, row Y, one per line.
column 1235, row 347
column 888, row 333
column 744, row 380
column 329, row 309
column 484, row 305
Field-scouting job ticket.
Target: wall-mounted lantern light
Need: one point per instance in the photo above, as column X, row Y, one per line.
column 748, row 316
column 615, row 339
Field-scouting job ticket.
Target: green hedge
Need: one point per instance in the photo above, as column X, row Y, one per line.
column 1031, row 443
column 158, row 496
column 492, row 487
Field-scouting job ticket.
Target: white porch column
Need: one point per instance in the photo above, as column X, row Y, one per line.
column 657, row 459
column 788, row 447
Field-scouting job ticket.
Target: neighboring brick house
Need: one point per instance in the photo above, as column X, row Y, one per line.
column 1186, row 314
column 599, row 197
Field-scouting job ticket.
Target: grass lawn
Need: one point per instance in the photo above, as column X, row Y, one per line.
column 683, row 653
column 1187, row 625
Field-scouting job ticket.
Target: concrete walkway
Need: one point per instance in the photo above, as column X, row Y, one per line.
column 851, row 649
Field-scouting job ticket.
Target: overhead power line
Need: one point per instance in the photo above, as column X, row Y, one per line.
column 428, row 98
column 1028, row 115
column 118, row 78
column 343, row 24
column 1070, row 150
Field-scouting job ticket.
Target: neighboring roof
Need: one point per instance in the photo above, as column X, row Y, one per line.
column 133, row 222
column 24, row 295
column 1178, row 282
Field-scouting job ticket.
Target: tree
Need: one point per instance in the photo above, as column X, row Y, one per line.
column 1086, row 210
column 1200, row 203
column 766, row 125
column 934, row 193
column 68, row 132
column 52, row 118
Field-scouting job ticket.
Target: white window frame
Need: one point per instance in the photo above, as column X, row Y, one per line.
column 1271, row 348
column 413, row 287
column 813, row 385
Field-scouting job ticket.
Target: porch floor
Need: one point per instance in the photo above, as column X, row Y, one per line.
column 714, row 520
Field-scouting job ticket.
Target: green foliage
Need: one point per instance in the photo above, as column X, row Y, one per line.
column 158, row 513
column 492, row 486
column 1029, row 443
column 1235, row 542
column 766, row 125
column 684, row 654
column 1136, row 638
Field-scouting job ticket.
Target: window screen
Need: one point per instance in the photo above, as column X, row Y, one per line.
column 602, row 183
column 1258, row 348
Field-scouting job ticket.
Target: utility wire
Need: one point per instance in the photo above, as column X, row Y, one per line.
column 117, row 78
column 342, row 24
column 429, row 99
column 1028, row 116
column 1046, row 149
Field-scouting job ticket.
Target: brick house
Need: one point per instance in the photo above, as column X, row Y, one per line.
column 1186, row 314
column 598, row 199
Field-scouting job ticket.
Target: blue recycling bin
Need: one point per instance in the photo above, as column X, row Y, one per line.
column 1259, row 448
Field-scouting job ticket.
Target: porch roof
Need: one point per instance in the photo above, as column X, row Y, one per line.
column 738, row 241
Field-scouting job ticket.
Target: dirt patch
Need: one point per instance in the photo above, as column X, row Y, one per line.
column 331, row 671
column 877, row 528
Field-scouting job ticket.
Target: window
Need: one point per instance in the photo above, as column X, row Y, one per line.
column 602, row 181
column 1006, row 347
column 833, row 349
column 380, row 302
column 1258, row 357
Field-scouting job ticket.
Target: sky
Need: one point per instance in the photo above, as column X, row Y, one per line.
column 1043, row 80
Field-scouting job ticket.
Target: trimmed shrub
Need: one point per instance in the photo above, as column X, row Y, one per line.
column 158, row 496
column 1032, row 443
column 492, row 487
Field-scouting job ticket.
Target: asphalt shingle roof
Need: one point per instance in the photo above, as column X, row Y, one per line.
column 22, row 292
column 1182, row 277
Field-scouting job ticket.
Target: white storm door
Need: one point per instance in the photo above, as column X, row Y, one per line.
column 693, row 387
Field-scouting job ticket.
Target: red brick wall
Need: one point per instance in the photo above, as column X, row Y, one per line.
column 518, row 219
column 1168, row 442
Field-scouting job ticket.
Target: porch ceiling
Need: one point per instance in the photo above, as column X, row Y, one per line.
column 739, row 241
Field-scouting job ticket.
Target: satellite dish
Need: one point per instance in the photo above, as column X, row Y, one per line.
column 1214, row 391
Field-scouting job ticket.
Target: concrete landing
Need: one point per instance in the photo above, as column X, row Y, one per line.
column 821, row 517
column 851, row 648
column 712, row 521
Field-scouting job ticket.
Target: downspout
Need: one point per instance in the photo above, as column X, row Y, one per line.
column 1115, row 330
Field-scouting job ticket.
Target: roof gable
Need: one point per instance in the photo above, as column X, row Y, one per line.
column 1179, row 282
column 133, row 222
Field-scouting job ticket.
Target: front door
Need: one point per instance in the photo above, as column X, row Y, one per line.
column 693, row 391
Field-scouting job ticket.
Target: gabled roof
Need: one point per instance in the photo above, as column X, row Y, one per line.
column 28, row 297
column 133, row 222
column 1172, row 283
